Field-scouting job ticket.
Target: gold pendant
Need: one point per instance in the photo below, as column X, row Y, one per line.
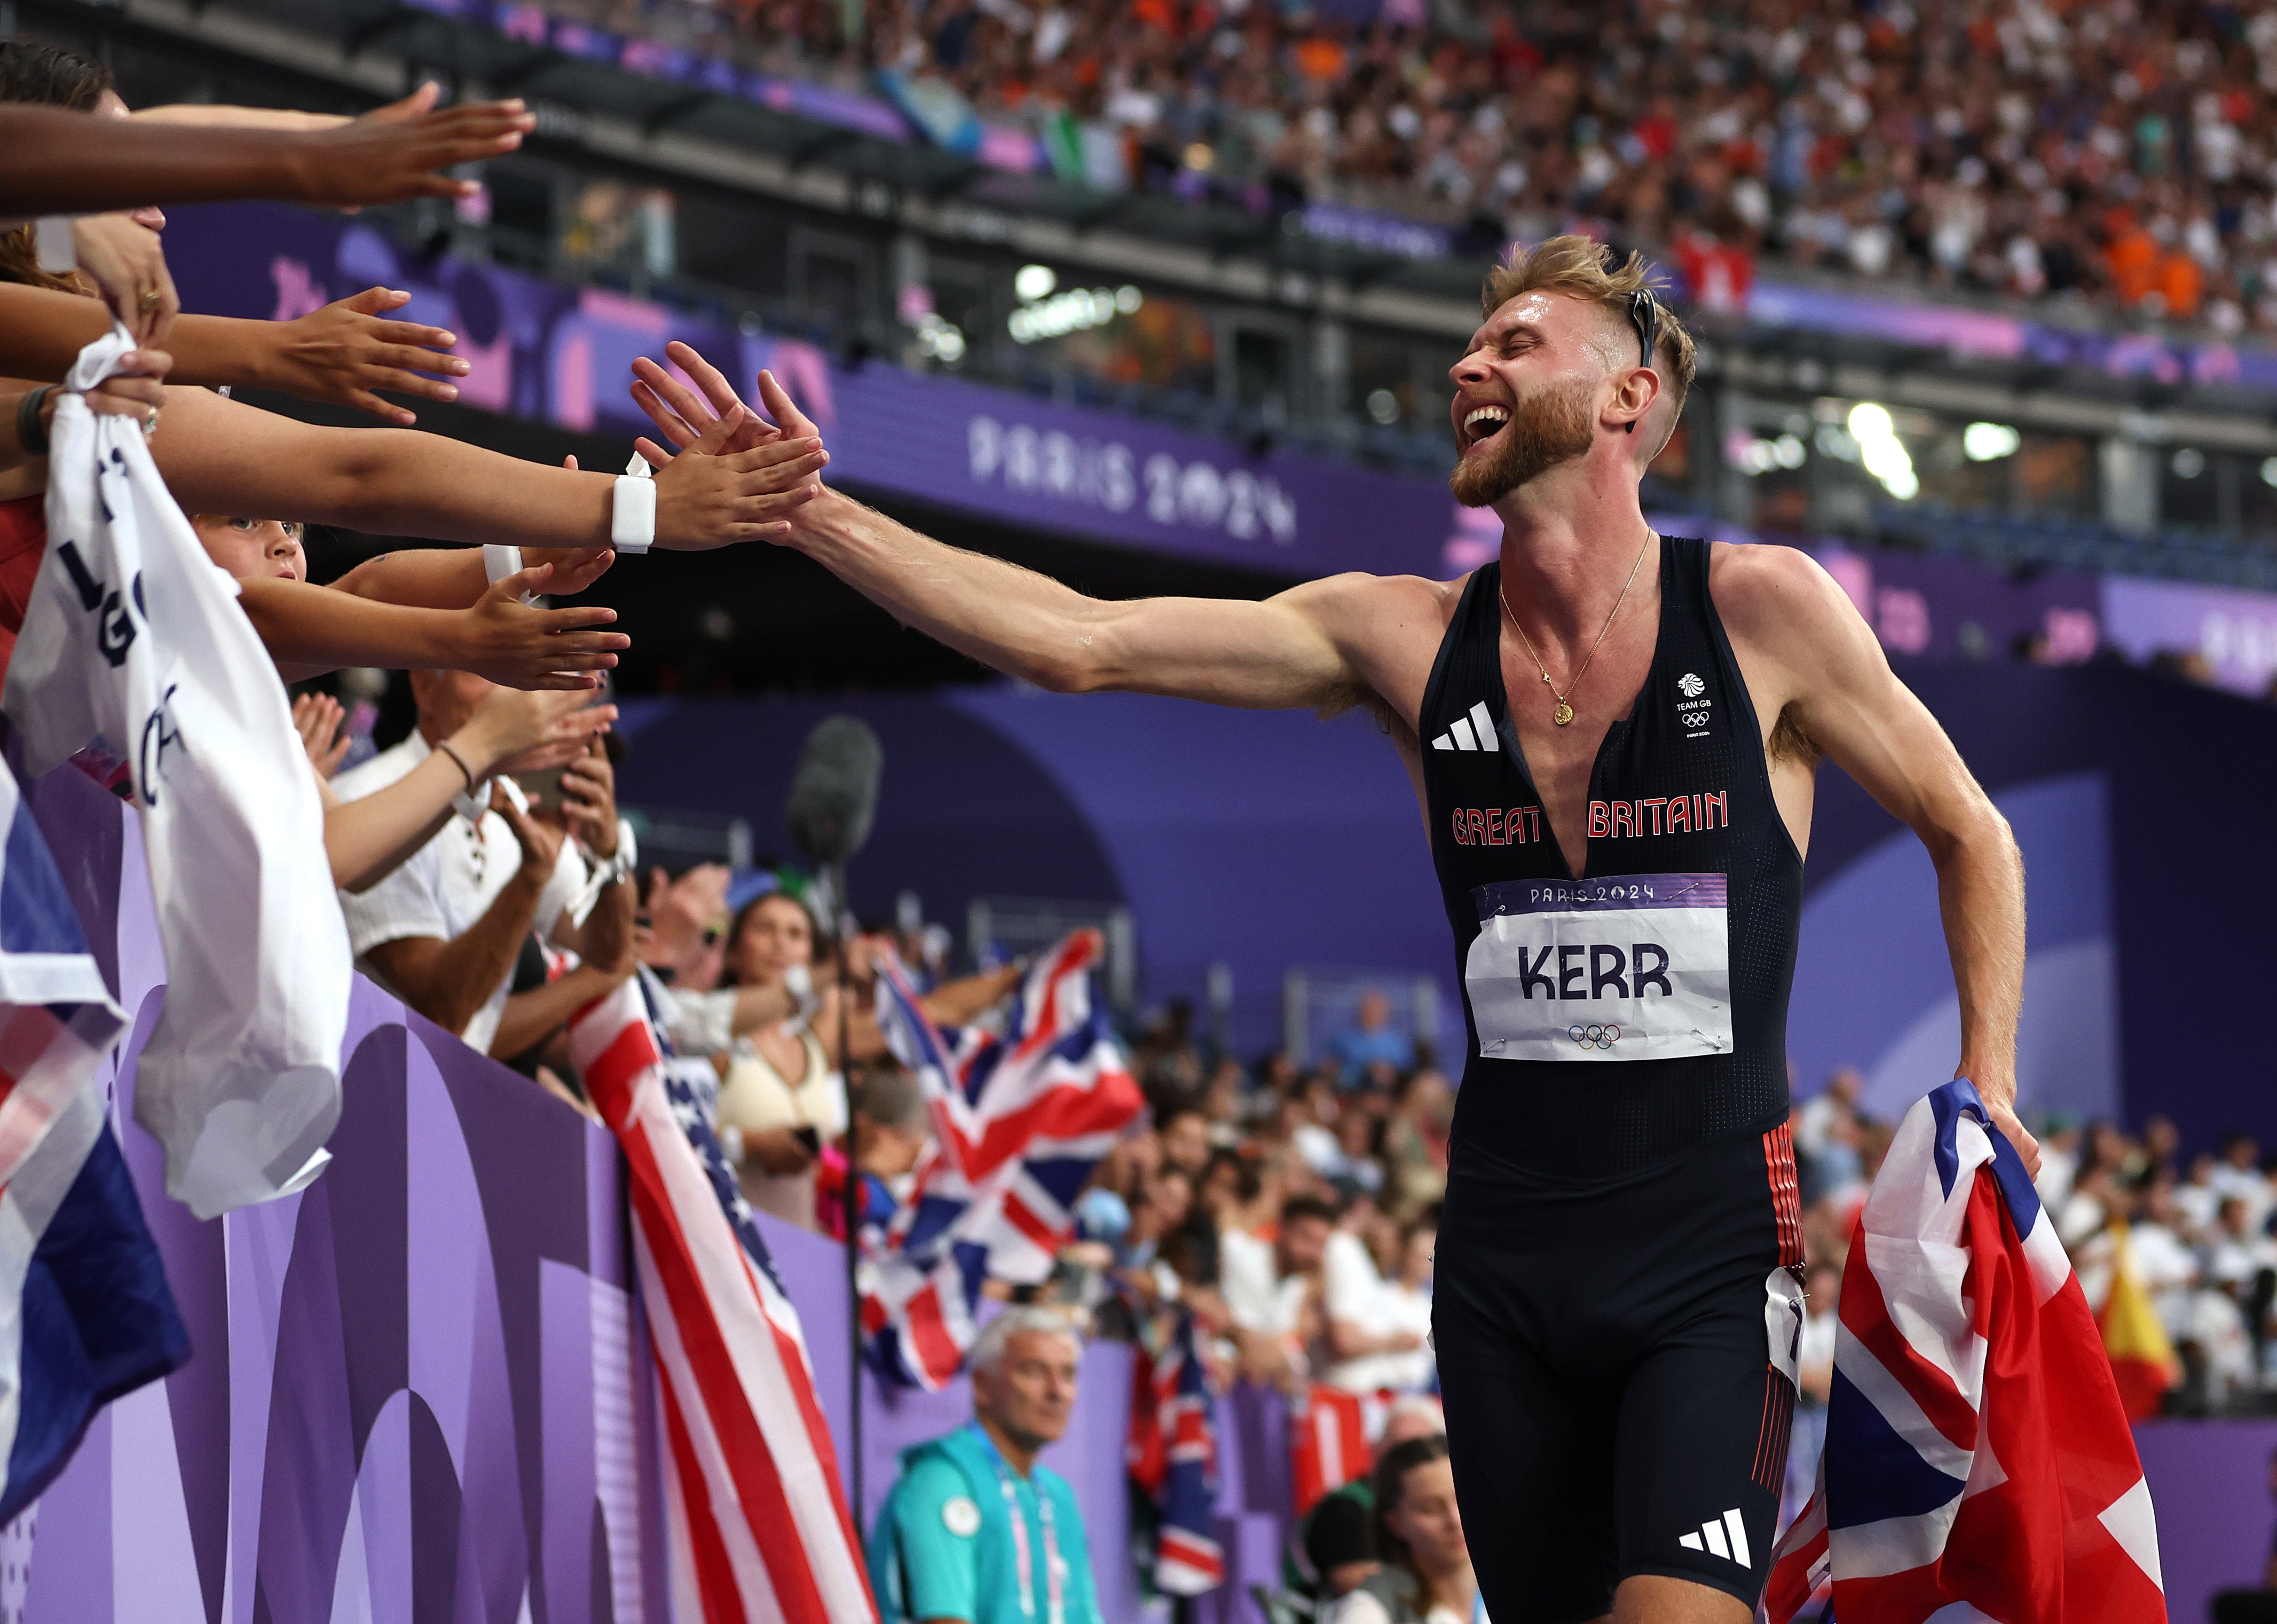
column 1562, row 714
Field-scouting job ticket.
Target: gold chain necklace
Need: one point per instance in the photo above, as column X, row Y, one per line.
column 1564, row 713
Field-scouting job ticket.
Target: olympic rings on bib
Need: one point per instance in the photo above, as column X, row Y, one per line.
column 1594, row 1036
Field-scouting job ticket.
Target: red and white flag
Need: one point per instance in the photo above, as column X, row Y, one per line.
column 1329, row 1431
column 758, row 1518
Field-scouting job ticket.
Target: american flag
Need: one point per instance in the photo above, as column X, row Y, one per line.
column 1022, row 1111
column 85, row 1313
column 1977, row 1458
column 1173, row 1456
column 757, row 1517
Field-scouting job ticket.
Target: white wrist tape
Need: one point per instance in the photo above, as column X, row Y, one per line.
column 499, row 563
column 632, row 524
column 57, row 253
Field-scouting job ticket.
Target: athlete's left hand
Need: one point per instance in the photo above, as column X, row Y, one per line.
column 2004, row 1117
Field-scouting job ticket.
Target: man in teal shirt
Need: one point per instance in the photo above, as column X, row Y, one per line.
column 976, row 1532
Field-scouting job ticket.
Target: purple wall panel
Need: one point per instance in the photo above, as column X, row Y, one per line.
column 2210, row 1480
column 366, row 1415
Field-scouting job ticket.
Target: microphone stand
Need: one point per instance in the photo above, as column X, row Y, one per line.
column 850, row 1195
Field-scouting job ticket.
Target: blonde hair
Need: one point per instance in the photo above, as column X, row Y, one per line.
column 1582, row 266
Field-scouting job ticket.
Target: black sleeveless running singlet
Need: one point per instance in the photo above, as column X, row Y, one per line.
column 1632, row 1032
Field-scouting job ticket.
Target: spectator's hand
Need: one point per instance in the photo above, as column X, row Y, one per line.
column 317, row 718
column 124, row 259
column 517, row 646
column 540, row 841
column 574, row 569
column 681, row 911
column 137, row 390
column 685, row 418
column 589, row 801
column 341, row 353
column 711, row 497
column 778, row 1151
column 525, row 730
column 393, row 153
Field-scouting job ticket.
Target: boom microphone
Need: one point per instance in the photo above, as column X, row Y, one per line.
column 834, row 796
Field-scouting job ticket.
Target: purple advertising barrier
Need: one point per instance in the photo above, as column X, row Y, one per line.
column 413, row 1394
column 2235, row 630
column 2210, row 1480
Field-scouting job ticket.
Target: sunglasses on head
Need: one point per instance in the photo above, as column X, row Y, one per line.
column 1644, row 314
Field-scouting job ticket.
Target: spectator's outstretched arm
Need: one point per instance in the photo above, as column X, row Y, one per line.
column 309, row 629
column 604, row 936
column 454, row 577
column 338, row 356
column 369, row 838
column 223, row 456
column 530, row 1015
column 57, row 161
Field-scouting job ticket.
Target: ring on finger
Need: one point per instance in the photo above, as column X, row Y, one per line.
column 149, row 302
column 149, row 423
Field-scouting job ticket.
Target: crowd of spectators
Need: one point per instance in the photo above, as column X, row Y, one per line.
column 2115, row 150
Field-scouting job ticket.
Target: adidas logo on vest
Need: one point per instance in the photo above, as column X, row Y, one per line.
column 1475, row 733
column 1711, row 1537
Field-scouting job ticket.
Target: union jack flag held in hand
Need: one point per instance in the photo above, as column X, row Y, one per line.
column 1022, row 1108
column 1978, row 1462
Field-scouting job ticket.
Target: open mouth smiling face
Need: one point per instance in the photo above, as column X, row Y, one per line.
column 1479, row 425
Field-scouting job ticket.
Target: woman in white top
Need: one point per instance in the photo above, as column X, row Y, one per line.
column 779, row 1092
column 780, row 1096
column 1425, row 1577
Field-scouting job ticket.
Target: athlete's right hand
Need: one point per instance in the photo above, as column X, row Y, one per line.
column 712, row 497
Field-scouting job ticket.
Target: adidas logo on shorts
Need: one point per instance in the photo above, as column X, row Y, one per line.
column 1473, row 732
column 1725, row 1537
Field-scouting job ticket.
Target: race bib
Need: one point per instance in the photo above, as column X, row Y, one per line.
column 1627, row 967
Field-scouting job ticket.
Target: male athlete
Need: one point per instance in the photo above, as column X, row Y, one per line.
column 1613, row 736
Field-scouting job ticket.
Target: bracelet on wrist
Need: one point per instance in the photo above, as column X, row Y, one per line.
column 31, row 433
column 452, row 750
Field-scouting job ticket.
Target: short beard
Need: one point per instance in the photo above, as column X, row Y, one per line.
column 1549, row 428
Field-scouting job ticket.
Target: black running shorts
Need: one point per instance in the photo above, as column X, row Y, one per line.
column 1606, row 1351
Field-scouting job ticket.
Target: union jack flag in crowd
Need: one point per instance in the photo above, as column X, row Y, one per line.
column 1173, row 1455
column 755, row 1512
column 83, row 1294
column 1022, row 1109
column 1977, row 1451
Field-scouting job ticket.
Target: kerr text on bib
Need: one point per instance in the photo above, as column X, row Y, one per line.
column 1626, row 967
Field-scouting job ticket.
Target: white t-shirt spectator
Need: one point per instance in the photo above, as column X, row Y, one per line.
column 443, row 888
column 1249, row 1276
column 2249, row 1184
column 1353, row 1293
column 2167, row 1271
column 2235, row 1260
column 2058, row 1168
column 2199, row 1205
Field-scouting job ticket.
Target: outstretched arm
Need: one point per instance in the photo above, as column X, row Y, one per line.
column 1837, row 688
column 307, row 629
column 1300, row 648
column 338, row 354
column 53, row 159
column 223, row 456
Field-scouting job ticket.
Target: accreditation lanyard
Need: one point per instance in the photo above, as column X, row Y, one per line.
column 1054, row 1568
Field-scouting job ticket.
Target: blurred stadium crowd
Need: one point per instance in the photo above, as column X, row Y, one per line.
column 2111, row 152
